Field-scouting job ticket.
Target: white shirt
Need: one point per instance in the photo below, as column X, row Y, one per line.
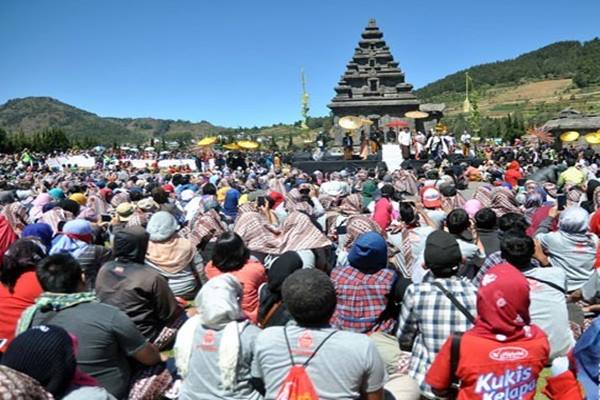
column 404, row 138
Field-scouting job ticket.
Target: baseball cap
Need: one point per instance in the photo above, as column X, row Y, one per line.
column 125, row 211
column 442, row 251
column 187, row 195
column 168, row 188
column 431, row 197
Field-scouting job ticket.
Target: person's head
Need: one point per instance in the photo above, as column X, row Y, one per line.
column 310, row 297
column 160, row 195
column 130, row 244
column 517, row 248
column 442, row 254
column 571, row 162
column 512, row 221
column 40, row 231
column 533, row 200
column 60, row 273
column 503, row 303
column 408, row 214
column 79, row 229
column 209, row 189
column 162, row 226
column 230, row 253
column 458, row 221
column 45, row 353
column 369, row 252
column 282, row 267
column 69, row 205
column 219, row 301
column 431, row 198
column 486, row 219
column 21, row 256
column 387, row 191
column 574, row 220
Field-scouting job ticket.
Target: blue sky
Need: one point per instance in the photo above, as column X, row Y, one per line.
column 238, row 62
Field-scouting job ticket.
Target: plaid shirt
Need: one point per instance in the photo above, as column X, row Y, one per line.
column 362, row 299
column 491, row 261
column 427, row 312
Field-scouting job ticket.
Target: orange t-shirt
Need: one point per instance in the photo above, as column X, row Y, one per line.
column 250, row 276
column 26, row 290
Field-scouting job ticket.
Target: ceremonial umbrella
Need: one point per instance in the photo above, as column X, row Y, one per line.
column 570, row 136
column 397, row 124
column 231, row 146
column 248, row 145
column 207, row 141
column 593, row 138
column 416, row 114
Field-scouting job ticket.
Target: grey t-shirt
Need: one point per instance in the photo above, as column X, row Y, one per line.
column 106, row 337
column 203, row 381
column 591, row 289
column 548, row 308
column 345, row 366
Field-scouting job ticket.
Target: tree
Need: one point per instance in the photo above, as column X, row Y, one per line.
column 183, row 139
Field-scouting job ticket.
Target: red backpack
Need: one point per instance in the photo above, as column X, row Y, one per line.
column 297, row 385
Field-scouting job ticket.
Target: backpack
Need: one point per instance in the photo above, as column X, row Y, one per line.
column 297, row 385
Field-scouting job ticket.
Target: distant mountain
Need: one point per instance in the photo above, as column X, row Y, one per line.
column 579, row 61
column 33, row 114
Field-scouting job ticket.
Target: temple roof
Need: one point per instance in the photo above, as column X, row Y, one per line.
column 372, row 77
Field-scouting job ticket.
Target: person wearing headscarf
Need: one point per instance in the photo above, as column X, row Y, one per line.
column 272, row 311
column 335, row 223
column 451, row 198
column 572, row 247
column 590, row 200
column 230, row 203
column 40, row 233
column 300, row 234
column 173, row 256
column 503, row 202
column 533, row 201
column 47, row 354
column 382, row 212
column 368, row 192
column 232, row 256
column 513, row 173
column 141, row 293
column 57, row 194
column 19, row 286
column 502, row 325
column 484, row 194
column 17, row 385
column 79, row 198
column 55, row 217
column 38, row 204
column 7, row 236
column 258, row 235
column 77, row 240
column 17, row 216
column 214, row 349
column 206, row 227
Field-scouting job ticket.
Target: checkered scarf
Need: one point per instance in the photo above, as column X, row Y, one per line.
column 204, row 227
column 256, row 232
column 299, row 233
column 504, row 202
column 351, row 205
column 357, row 225
column 17, row 216
column 484, row 195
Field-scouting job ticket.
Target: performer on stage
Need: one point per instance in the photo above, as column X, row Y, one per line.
column 347, row 144
column 375, row 139
column 405, row 140
column 465, row 139
column 438, row 146
column 419, row 144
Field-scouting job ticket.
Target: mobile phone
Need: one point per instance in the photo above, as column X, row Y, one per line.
column 261, row 201
column 561, row 201
column 521, row 182
column 105, row 218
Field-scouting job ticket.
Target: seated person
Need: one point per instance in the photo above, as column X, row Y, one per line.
column 141, row 293
column 340, row 365
column 214, row 348
column 108, row 338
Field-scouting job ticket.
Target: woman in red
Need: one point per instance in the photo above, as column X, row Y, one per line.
column 383, row 208
column 232, row 256
column 511, row 352
column 513, row 173
column 19, row 286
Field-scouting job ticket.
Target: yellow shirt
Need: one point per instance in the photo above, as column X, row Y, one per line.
column 221, row 193
column 572, row 175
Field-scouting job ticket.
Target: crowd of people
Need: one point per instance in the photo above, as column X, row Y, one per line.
column 250, row 279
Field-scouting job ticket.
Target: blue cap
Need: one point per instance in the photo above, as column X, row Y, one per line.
column 369, row 252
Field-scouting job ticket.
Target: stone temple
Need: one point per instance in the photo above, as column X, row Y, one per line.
column 373, row 85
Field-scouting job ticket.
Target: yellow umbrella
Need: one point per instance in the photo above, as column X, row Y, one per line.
column 416, row 114
column 366, row 122
column 248, row 145
column 207, row 141
column 593, row 138
column 570, row 136
column 231, row 146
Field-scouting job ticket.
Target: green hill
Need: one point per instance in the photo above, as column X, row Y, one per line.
column 575, row 60
column 33, row 114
